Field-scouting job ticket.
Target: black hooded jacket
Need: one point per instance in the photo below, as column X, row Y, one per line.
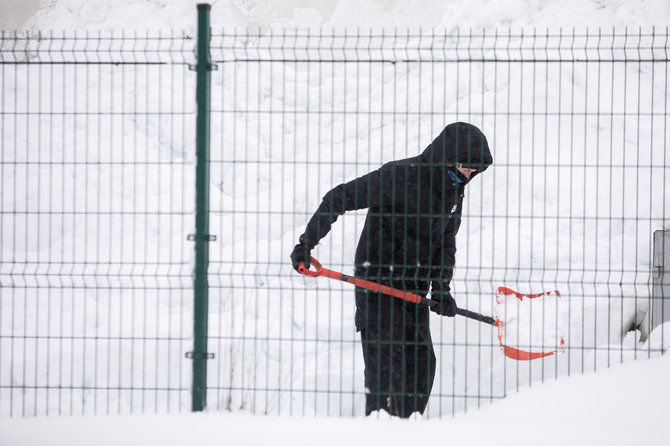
column 414, row 211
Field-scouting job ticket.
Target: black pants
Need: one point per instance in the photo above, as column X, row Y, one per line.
column 399, row 361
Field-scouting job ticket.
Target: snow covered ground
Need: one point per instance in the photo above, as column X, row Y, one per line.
column 280, row 335
column 612, row 407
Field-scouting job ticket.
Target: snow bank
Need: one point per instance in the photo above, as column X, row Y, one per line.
column 463, row 14
column 613, row 407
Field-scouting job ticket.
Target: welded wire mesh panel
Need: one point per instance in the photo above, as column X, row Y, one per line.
column 96, row 201
column 576, row 121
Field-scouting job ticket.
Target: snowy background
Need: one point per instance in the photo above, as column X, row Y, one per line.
column 107, row 15
column 569, row 205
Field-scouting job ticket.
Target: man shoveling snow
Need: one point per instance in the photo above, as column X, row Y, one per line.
column 409, row 243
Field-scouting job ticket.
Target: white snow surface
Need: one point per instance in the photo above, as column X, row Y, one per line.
column 612, row 407
column 464, row 14
column 626, row 404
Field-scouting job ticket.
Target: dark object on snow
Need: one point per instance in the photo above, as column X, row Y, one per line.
column 445, row 304
column 409, row 238
column 399, row 366
column 301, row 255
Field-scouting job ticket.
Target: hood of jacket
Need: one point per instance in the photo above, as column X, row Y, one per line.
column 459, row 145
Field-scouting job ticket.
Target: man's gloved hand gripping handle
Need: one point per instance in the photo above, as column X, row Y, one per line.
column 301, row 254
column 444, row 305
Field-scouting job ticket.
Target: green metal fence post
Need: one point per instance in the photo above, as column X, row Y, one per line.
column 202, row 237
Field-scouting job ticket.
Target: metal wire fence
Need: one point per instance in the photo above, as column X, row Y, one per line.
column 96, row 201
column 98, row 197
column 576, row 121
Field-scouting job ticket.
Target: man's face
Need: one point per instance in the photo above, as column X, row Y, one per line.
column 466, row 172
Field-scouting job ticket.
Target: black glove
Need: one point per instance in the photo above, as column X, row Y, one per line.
column 301, row 254
column 444, row 304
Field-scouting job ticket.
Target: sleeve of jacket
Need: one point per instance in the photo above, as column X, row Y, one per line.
column 361, row 193
column 445, row 257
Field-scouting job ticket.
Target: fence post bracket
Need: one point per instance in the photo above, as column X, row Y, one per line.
column 201, row 238
column 199, row 355
column 210, row 67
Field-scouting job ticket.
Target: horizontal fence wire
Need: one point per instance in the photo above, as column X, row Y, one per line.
column 99, row 48
column 96, row 202
column 577, row 123
column 431, row 46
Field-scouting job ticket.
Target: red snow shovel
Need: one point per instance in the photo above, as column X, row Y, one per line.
column 510, row 352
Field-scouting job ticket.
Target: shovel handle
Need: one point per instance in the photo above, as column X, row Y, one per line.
column 373, row 286
column 308, row 272
column 476, row 316
column 362, row 283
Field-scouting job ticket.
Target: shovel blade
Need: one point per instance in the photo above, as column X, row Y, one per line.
column 504, row 293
